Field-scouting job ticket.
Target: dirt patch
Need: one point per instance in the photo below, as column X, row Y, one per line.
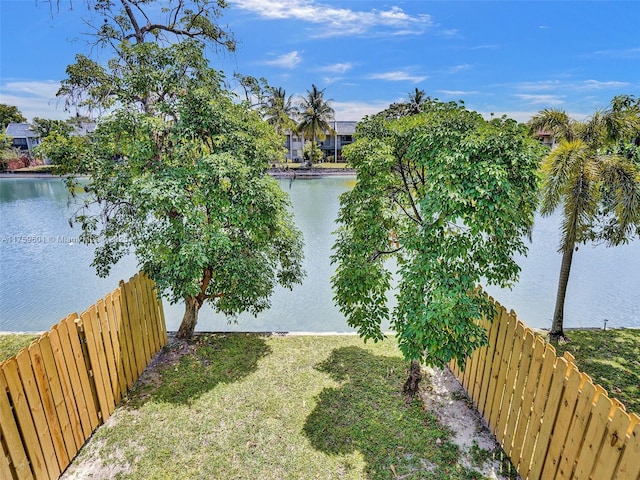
column 445, row 397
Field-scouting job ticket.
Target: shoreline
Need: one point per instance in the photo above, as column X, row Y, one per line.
column 312, row 172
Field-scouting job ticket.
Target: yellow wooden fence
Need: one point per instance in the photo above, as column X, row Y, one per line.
column 56, row 392
column 551, row 419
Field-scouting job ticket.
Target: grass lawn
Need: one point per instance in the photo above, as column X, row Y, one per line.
column 36, row 169
column 270, row 407
column 11, row 344
column 611, row 358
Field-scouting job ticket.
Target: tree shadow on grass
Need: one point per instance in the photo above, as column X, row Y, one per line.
column 367, row 413
column 184, row 370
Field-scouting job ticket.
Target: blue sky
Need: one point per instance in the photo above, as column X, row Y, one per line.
column 504, row 57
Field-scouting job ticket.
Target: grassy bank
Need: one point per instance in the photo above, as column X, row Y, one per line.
column 10, row 344
column 611, row 358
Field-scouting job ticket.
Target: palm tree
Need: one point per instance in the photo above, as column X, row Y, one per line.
column 315, row 114
column 416, row 100
column 599, row 191
column 279, row 110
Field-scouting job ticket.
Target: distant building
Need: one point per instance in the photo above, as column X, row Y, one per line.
column 547, row 139
column 23, row 136
column 331, row 146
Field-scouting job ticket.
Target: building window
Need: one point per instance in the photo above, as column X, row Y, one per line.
column 20, row 143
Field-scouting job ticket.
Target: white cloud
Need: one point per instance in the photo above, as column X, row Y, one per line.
column 355, row 111
column 339, row 21
column 633, row 52
column 485, row 47
column 552, row 100
column 340, row 68
column 597, row 85
column 570, row 86
column 541, row 86
column 289, row 60
column 458, row 93
column 397, row 76
column 330, row 80
column 458, row 68
column 34, row 98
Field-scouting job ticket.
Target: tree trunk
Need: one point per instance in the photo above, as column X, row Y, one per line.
column 190, row 318
column 557, row 331
column 410, row 387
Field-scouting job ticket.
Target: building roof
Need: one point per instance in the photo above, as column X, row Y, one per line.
column 21, row 130
column 345, row 128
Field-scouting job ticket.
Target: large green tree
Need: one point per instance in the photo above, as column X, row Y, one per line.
column 178, row 168
column 9, row 114
column 188, row 191
column 447, row 198
column 592, row 177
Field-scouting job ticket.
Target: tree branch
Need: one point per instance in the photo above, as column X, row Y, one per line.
column 408, row 190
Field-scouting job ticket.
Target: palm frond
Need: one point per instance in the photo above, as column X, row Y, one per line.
column 560, row 168
column 555, row 121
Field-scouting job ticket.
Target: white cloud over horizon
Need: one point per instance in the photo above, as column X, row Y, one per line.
column 341, row 68
column 289, row 60
column 339, row 21
column 398, row 76
column 551, row 100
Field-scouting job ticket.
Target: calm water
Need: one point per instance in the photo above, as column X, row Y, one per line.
column 45, row 273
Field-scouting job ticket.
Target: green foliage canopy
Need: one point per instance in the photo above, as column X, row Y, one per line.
column 46, row 127
column 182, row 181
column 447, row 197
column 9, row 114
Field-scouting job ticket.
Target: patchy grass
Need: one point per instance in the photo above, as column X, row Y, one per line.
column 268, row 407
column 12, row 343
column 611, row 358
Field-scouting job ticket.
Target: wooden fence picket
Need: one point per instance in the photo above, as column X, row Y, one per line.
column 57, row 391
column 630, row 460
column 10, row 432
column 72, row 404
column 551, row 420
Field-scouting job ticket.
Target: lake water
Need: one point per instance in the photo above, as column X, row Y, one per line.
column 45, row 273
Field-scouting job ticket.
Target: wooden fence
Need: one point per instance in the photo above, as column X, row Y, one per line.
column 56, row 392
column 551, row 419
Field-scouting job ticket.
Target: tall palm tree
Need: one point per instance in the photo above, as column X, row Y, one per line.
column 279, row 110
column 599, row 191
column 314, row 115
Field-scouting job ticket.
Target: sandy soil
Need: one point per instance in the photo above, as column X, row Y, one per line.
column 447, row 399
